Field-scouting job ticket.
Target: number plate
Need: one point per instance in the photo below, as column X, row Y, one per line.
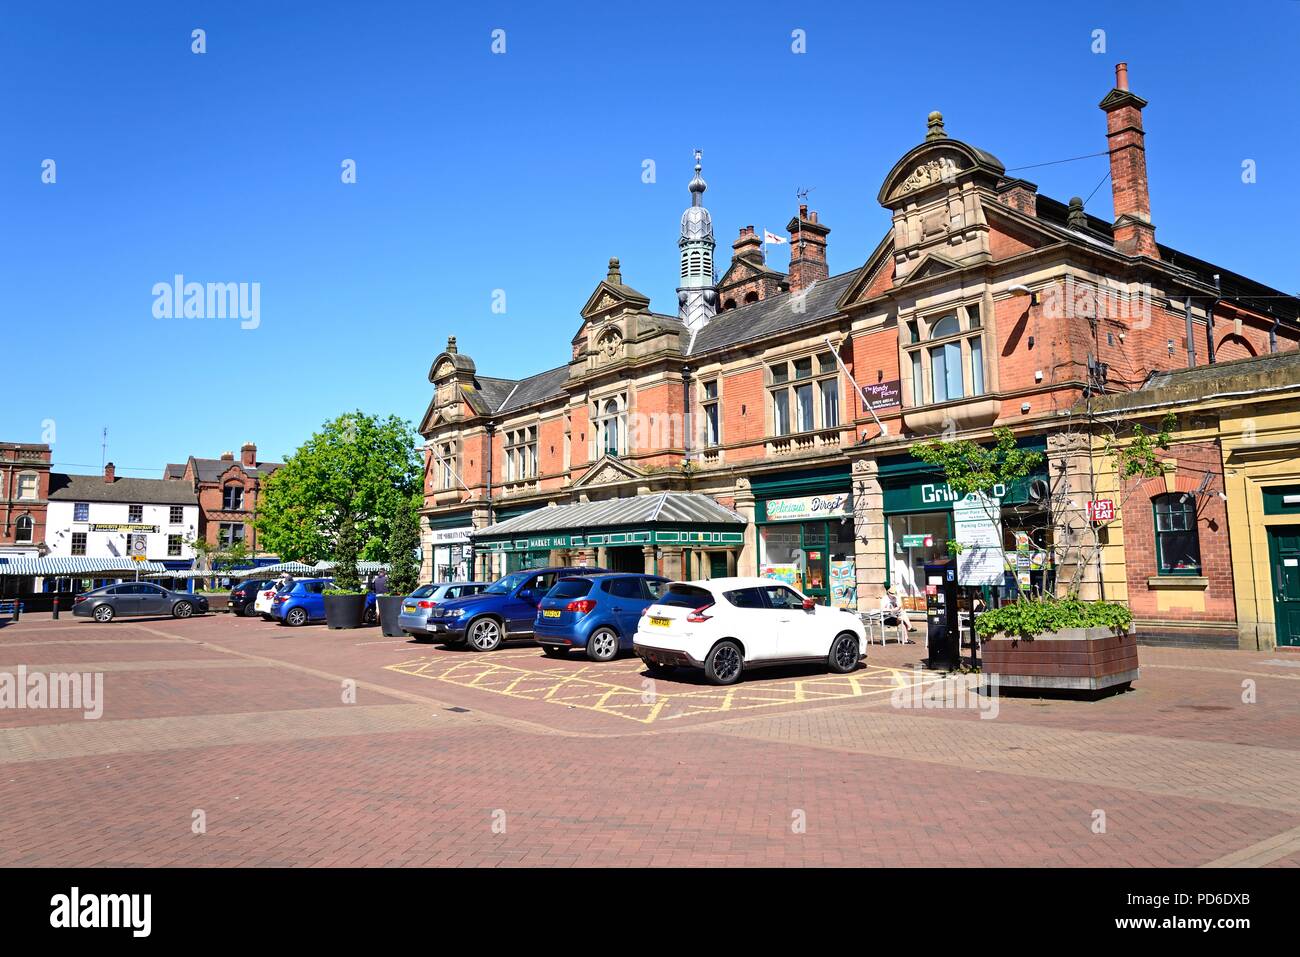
column 662, row 622
column 408, row 608
column 550, row 613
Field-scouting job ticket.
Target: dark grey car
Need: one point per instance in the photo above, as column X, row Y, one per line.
column 137, row 598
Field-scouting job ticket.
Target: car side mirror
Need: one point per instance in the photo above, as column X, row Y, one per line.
column 809, row 604
column 526, row 594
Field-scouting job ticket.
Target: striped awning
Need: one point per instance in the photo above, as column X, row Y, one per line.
column 53, row 566
column 365, row 568
column 270, row 571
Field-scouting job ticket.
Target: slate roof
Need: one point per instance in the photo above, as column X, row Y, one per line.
column 770, row 315
column 174, row 470
column 535, row 388
column 133, row 491
column 211, row 470
column 692, row 508
column 494, row 391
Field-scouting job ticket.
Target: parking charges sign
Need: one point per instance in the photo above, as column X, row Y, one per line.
column 977, row 526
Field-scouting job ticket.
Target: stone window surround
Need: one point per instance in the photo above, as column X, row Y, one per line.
column 20, row 480
column 600, row 419
column 815, row 354
column 967, row 310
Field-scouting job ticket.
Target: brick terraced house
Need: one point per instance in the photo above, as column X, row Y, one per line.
column 24, row 495
column 228, row 492
column 729, row 438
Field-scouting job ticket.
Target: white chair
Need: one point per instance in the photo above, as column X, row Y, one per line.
column 874, row 619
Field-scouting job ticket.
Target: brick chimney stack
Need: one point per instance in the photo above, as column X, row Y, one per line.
column 807, row 249
column 248, row 455
column 748, row 246
column 227, row 456
column 110, row 473
column 1134, row 234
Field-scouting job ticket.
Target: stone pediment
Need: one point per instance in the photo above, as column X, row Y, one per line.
column 611, row 294
column 608, row 470
column 931, row 264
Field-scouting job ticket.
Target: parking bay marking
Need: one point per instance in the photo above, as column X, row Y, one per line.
column 575, row 689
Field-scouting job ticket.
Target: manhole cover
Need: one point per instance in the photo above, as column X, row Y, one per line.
column 459, row 710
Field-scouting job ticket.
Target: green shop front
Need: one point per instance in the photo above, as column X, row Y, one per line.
column 675, row 534
column 806, row 532
column 918, row 507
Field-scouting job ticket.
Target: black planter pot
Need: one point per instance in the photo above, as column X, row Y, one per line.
column 345, row 611
column 390, row 606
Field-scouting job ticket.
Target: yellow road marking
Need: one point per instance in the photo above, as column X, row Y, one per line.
column 575, row 689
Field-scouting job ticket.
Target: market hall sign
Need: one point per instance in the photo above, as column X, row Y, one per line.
column 809, row 507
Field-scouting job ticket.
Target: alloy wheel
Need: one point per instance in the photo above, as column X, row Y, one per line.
column 484, row 635
column 726, row 662
column 846, row 652
column 603, row 645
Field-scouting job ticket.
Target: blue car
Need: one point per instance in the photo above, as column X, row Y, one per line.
column 504, row 610
column 599, row 613
column 305, row 602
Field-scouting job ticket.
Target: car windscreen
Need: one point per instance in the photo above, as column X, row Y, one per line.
column 505, row 586
column 571, row 588
column 686, row 596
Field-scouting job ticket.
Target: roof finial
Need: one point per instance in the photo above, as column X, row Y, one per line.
column 451, row 344
column 1076, row 218
column 614, row 275
column 935, row 130
column 698, row 186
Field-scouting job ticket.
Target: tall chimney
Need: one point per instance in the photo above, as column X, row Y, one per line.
column 748, row 246
column 1133, row 232
column 807, row 250
column 110, row 473
column 248, row 455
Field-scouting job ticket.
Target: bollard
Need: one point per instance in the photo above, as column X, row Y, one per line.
column 18, row 611
column 56, row 607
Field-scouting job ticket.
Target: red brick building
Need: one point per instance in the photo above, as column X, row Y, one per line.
column 24, row 495
column 985, row 304
column 228, row 491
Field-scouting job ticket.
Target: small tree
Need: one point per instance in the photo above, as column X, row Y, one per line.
column 347, row 580
column 404, row 572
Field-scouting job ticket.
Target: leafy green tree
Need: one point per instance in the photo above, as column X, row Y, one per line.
column 970, row 467
column 347, row 580
column 356, row 466
column 404, row 539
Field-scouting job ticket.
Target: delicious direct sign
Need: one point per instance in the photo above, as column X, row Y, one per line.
column 809, row 507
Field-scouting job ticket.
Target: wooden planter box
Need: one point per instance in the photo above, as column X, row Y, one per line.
column 1074, row 659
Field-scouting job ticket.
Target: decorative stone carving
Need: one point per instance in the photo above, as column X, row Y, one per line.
column 606, row 475
column 610, row 344
column 942, row 170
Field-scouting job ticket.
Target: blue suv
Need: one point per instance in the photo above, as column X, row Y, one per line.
column 305, row 601
column 599, row 613
column 502, row 611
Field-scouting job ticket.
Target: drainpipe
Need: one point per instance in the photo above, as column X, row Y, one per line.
column 491, row 433
column 1209, row 318
column 1272, row 335
column 1191, row 334
column 686, row 415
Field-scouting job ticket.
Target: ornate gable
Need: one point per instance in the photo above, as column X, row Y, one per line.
column 608, row 470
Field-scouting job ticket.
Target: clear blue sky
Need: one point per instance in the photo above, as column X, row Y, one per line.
column 522, row 172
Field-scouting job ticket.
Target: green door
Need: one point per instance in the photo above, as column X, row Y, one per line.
column 816, row 551
column 717, row 564
column 1284, row 559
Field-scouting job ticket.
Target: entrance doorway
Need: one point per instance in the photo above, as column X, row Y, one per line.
column 1284, row 560
column 629, row 560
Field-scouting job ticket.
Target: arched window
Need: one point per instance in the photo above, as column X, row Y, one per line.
column 611, row 427
column 729, row 304
column 25, row 527
column 947, row 326
column 951, row 366
column 751, row 296
column 1178, row 544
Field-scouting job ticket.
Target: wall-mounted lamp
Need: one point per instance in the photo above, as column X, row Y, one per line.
column 1024, row 406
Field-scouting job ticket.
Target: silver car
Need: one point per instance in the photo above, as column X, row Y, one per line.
column 419, row 605
column 137, row 598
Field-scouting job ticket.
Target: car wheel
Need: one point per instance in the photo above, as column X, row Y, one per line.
column 182, row 609
column 296, row 617
column 250, row 611
column 844, row 653
column 555, row 651
column 602, row 645
column 484, row 634
column 724, row 663
column 372, row 615
column 104, row 614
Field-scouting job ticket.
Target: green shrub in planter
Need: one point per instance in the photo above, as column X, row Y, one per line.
column 1030, row 617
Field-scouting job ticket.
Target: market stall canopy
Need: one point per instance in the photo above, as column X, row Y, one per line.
column 53, row 566
column 268, row 571
column 365, row 568
column 662, row 518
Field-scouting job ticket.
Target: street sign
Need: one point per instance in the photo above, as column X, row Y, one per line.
column 1101, row 510
column 977, row 526
column 138, row 558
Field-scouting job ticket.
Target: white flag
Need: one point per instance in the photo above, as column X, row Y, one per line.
column 773, row 238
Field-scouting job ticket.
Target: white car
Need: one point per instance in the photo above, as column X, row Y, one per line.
column 726, row 625
column 265, row 601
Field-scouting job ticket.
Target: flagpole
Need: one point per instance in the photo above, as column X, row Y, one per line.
column 866, row 403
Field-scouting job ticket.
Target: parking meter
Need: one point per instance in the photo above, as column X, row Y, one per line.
column 942, row 640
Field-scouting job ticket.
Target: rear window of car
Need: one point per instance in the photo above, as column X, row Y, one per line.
column 424, row 591
column 686, row 596
column 624, row 587
column 571, row 588
column 745, row 597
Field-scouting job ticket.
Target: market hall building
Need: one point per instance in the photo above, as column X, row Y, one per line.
column 984, row 305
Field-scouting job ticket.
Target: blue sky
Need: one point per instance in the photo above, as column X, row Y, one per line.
column 522, row 172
